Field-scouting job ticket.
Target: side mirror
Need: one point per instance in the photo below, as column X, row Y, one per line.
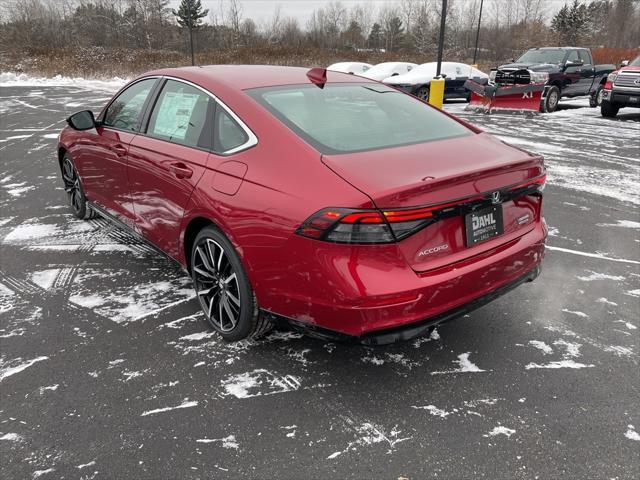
column 574, row 63
column 83, row 120
column 624, row 63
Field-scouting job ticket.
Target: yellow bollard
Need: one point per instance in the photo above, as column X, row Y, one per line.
column 436, row 92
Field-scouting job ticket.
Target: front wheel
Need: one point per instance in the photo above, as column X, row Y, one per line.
column 595, row 99
column 608, row 109
column 551, row 99
column 223, row 288
column 423, row 94
column 74, row 191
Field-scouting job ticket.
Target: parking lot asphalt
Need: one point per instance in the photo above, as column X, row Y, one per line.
column 107, row 369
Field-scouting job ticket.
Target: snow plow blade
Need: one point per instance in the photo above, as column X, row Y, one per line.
column 512, row 98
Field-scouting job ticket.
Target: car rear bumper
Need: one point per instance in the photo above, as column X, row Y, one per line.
column 414, row 302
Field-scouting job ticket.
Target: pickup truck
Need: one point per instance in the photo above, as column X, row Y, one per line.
column 565, row 71
column 622, row 89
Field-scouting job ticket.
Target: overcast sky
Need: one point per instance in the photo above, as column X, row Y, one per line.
column 261, row 10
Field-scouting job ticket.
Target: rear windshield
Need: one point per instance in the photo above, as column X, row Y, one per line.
column 351, row 117
column 636, row 62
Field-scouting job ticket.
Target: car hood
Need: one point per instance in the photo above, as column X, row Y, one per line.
column 535, row 67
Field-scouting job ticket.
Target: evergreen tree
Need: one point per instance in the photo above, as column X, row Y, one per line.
column 375, row 36
column 189, row 15
column 571, row 23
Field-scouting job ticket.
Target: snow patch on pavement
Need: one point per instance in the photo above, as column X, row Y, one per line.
column 631, row 433
column 500, row 431
column 465, row 365
column 185, row 404
column 226, row 442
column 6, row 371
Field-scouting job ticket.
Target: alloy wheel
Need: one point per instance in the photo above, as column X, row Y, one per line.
column 553, row 100
column 599, row 96
column 216, row 285
column 72, row 185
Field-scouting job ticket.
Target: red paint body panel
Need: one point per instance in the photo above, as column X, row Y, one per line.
column 260, row 196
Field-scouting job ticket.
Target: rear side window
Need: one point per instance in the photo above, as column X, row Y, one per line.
column 183, row 114
column 228, row 134
column 125, row 111
column 348, row 117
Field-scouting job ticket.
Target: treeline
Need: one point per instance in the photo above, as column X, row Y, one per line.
column 406, row 27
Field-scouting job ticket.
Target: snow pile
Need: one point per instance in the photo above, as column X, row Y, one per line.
column 11, row 79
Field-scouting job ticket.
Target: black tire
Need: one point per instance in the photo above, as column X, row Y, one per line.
column 423, row 93
column 595, row 99
column 221, row 284
column 73, row 188
column 608, row 109
column 551, row 100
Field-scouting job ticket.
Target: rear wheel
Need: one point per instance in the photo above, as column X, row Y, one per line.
column 551, row 99
column 223, row 289
column 595, row 99
column 74, row 191
column 423, row 93
column 608, row 109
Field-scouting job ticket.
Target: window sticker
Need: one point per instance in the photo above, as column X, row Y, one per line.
column 174, row 114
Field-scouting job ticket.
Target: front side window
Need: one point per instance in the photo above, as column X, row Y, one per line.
column 349, row 117
column 573, row 56
column 125, row 111
column 585, row 56
column 183, row 114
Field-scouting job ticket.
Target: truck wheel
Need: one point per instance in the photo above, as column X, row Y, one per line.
column 551, row 99
column 608, row 109
column 595, row 99
column 423, row 94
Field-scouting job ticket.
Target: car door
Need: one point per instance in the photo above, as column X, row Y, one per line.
column 572, row 75
column 588, row 72
column 168, row 158
column 103, row 166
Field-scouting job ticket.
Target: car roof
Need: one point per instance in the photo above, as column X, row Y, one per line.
column 242, row 77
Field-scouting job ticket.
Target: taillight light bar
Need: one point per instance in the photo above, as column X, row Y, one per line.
column 539, row 182
column 346, row 225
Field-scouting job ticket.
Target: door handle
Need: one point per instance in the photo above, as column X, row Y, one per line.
column 180, row 170
column 119, row 150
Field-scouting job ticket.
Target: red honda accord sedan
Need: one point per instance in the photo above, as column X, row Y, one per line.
column 333, row 202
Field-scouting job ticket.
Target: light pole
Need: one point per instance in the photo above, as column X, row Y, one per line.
column 443, row 20
column 475, row 51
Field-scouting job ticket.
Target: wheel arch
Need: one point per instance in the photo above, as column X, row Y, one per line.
column 191, row 230
column 61, row 153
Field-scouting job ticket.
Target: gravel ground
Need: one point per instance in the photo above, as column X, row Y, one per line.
column 107, row 369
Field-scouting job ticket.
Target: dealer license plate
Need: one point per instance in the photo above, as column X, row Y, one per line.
column 483, row 224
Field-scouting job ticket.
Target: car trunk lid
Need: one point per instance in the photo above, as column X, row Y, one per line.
column 455, row 177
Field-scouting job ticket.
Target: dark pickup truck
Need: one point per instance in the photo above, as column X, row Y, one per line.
column 565, row 71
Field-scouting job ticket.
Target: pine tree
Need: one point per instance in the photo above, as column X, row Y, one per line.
column 375, row 36
column 189, row 15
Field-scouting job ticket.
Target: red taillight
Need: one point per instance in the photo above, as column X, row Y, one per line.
column 344, row 225
column 538, row 181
